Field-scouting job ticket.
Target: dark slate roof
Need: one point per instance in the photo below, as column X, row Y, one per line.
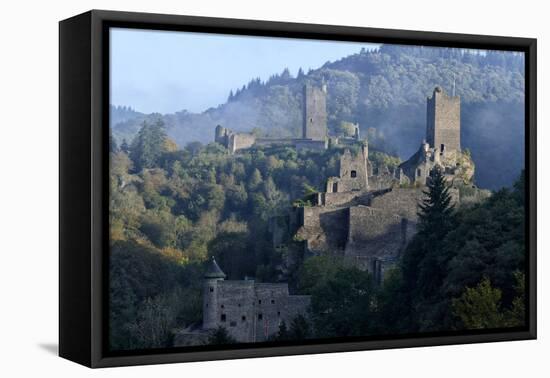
column 213, row 270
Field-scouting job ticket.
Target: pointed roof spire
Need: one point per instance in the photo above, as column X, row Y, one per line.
column 213, row 270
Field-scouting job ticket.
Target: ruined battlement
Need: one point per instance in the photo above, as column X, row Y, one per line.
column 353, row 175
column 369, row 217
column 233, row 141
column 314, row 128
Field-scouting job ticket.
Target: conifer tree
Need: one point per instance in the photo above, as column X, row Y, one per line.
column 436, row 209
column 424, row 260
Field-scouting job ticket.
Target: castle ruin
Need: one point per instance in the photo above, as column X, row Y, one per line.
column 442, row 144
column 315, row 113
column 314, row 128
column 365, row 217
column 353, row 175
column 368, row 218
column 443, row 121
column 249, row 311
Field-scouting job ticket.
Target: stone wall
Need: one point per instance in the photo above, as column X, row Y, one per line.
column 271, row 309
column 253, row 311
column 324, row 229
column 241, row 141
column 399, row 201
column 235, row 308
column 443, row 121
column 374, row 234
column 336, row 199
column 353, row 173
column 314, row 113
column 220, row 135
column 418, row 167
column 306, row 144
column 233, row 141
column 274, row 142
column 210, row 303
column 384, row 180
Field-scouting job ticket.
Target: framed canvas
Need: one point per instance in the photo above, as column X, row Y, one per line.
column 236, row 188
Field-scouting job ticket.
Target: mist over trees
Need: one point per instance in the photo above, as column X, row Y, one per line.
column 383, row 90
column 178, row 199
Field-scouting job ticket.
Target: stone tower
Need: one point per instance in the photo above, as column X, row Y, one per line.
column 315, row 113
column 353, row 176
column 220, row 135
column 212, row 276
column 443, row 121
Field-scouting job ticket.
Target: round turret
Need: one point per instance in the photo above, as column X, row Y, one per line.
column 214, row 271
column 212, row 276
column 220, row 132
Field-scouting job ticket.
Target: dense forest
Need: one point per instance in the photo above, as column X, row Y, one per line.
column 171, row 209
column 385, row 91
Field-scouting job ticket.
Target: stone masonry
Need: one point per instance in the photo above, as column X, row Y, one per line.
column 369, row 217
column 353, row 175
column 250, row 311
column 443, row 121
column 365, row 217
column 314, row 128
column 315, row 113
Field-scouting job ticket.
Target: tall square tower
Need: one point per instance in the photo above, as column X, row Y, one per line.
column 443, row 121
column 315, row 113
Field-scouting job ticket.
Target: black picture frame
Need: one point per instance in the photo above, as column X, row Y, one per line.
column 83, row 180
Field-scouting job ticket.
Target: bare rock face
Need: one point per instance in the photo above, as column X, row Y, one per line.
column 459, row 164
column 465, row 167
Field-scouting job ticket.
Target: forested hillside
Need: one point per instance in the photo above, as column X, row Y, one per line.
column 385, row 91
column 172, row 209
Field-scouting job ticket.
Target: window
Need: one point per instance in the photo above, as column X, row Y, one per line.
column 354, row 174
column 259, row 301
column 260, row 316
column 243, row 318
column 442, row 147
column 419, row 172
column 335, row 188
column 211, row 289
column 222, row 306
column 223, row 318
column 273, row 301
column 232, row 324
column 278, row 313
column 311, row 120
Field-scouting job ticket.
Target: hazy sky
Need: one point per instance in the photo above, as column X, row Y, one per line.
column 160, row 71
